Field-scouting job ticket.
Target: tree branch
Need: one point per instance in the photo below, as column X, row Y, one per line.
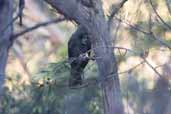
column 155, row 11
column 115, row 8
column 6, row 10
column 36, row 27
column 151, row 34
column 71, row 9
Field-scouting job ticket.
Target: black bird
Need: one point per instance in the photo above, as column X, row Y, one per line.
column 79, row 47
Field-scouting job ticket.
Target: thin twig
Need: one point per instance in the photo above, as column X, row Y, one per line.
column 155, row 11
column 115, row 8
column 36, row 27
column 93, row 82
column 132, row 26
column 151, row 34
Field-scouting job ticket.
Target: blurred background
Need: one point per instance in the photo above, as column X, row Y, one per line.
column 37, row 71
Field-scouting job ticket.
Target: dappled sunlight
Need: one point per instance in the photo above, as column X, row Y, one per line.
column 39, row 69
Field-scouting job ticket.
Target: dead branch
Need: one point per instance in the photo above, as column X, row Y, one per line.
column 155, row 11
column 114, row 9
column 36, row 27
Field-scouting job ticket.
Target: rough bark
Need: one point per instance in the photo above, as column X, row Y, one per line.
column 6, row 10
column 168, row 110
column 97, row 26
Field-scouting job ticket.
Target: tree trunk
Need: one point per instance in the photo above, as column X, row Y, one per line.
column 94, row 21
column 107, row 65
column 168, row 110
column 6, row 11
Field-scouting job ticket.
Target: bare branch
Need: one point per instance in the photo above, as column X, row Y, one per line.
column 155, row 11
column 115, row 8
column 21, row 8
column 95, row 81
column 151, row 34
column 36, row 27
column 144, row 60
column 160, row 41
column 153, row 68
column 132, row 26
column 19, row 15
